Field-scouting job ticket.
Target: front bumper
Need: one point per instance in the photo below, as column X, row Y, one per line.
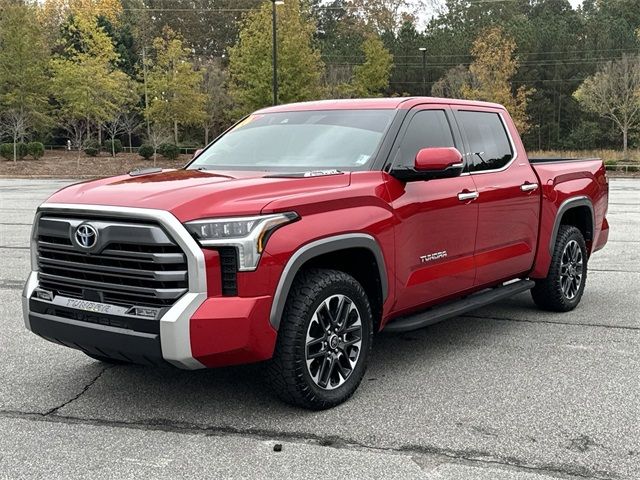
column 175, row 343
column 197, row 331
column 222, row 331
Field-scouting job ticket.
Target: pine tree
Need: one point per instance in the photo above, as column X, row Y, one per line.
column 372, row 77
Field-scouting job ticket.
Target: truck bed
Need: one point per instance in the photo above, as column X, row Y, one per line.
column 567, row 179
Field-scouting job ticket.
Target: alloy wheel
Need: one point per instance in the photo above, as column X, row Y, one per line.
column 333, row 342
column 571, row 269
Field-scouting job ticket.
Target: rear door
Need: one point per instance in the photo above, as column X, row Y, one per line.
column 509, row 195
column 436, row 229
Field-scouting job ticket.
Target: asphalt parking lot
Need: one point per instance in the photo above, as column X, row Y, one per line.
column 508, row 392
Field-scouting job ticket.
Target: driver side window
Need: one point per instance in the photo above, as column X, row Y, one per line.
column 427, row 128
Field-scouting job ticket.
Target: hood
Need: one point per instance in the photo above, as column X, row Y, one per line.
column 194, row 194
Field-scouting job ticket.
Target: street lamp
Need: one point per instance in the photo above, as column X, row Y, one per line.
column 275, row 50
column 424, row 70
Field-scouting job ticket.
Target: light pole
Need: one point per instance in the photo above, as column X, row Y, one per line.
column 275, row 49
column 424, row 70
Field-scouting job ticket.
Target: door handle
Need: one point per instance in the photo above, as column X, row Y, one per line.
column 528, row 187
column 466, row 196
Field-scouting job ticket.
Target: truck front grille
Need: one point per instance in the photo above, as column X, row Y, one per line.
column 132, row 264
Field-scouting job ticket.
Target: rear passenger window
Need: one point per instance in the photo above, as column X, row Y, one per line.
column 489, row 144
column 428, row 128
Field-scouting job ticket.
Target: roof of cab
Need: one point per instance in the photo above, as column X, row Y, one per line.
column 404, row 103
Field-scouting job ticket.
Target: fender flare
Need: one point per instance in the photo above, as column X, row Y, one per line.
column 564, row 207
column 315, row 249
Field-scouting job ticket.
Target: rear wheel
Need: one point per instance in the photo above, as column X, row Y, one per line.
column 562, row 290
column 324, row 340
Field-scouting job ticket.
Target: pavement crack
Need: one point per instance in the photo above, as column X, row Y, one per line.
column 550, row 322
column 54, row 410
column 469, row 456
column 612, row 270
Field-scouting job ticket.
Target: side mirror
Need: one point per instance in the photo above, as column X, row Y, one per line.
column 197, row 153
column 431, row 163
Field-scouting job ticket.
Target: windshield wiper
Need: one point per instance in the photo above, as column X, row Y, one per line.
column 308, row 174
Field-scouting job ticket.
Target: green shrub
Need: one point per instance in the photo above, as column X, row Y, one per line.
column 92, row 148
column 35, row 149
column 117, row 146
column 169, row 150
column 610, row 162
column 145, row 151
column 23, row 150
column 6, row 150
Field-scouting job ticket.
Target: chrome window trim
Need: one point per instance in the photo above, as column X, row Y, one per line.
column 175, row 337
column 509, row 136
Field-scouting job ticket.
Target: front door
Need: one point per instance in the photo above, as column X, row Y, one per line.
column 437, row 219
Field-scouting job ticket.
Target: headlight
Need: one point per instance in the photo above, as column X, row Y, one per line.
column 248, row 234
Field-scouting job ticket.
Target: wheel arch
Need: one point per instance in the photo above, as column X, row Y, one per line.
column 329, row 252
column 578, row 212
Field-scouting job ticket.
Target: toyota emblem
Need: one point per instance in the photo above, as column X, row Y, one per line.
column 86, row 236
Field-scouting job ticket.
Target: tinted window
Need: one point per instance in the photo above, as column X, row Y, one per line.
column 488, row 141
column 428, row 128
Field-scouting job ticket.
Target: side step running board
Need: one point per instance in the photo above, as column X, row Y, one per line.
column 458, row 307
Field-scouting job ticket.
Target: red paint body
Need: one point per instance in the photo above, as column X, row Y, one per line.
column 502, row 235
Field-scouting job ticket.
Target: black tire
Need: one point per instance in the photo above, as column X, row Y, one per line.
column 314, row 292
column 109, row 360
column 552, row 293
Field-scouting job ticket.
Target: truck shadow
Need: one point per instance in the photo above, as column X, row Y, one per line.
column 237, row 396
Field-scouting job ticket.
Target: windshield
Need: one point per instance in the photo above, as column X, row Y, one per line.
column 295, row 141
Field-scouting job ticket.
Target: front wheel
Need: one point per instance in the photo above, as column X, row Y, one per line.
column 324, row 340
column 562, row 290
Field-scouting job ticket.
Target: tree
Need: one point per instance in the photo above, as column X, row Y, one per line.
column 159, row 134
column 131, row 123
column 218, row 102
column 372, row 77
column 339, row 35
column 14, row 121
column 86, row 85
column 174, row 85
column 23, row 70
column 388, row 15
column 209, row 26
column 614, row 93
column 453, row 83
column 299, row 64
column 493, row 67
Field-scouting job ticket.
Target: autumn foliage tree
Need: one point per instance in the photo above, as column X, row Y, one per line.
column 174, row 85
column 494, row 65
column 299, row 65
column 87, row 87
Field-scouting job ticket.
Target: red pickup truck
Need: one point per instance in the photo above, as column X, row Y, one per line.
column 304, row 230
